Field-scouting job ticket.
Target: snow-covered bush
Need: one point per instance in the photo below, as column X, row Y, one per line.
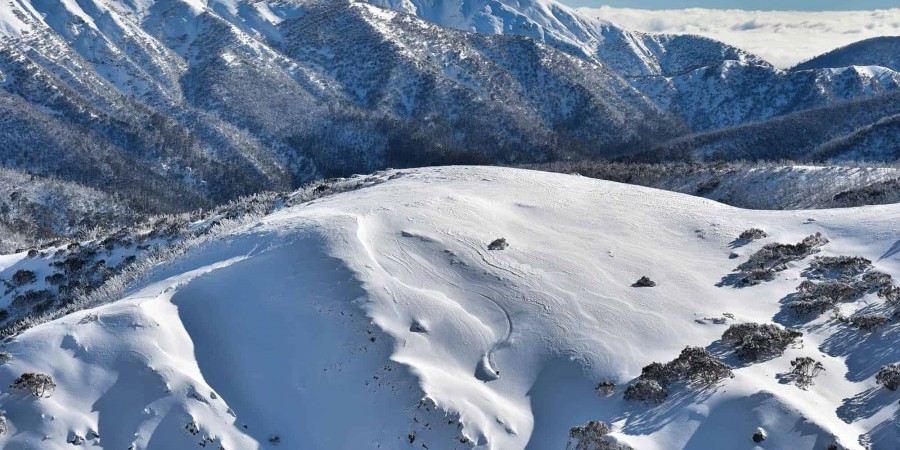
column 875, row 279
column 838, row 267
column 660, row 373
column 648, row 391
column 606, row 388
column 804, row 369
column 5, row 357
column 889, row 377
column 36, row 384
column 752, row 277
column 772, row 258
column 756, row 342
column 592, row 437
column 698, row 365
column 890, row 294
column 818, row 297
column 498, row 244
column 752, row 234
column 869, row 322
column 694, row 364
column 644, row 282
column 776, row 255
column 4, row 425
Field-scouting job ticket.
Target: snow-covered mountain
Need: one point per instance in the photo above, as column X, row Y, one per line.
column 705, row 83
column 226, row 98
column 881, row 51
column 379, row 318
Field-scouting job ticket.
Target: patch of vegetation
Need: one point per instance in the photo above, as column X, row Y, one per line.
column 593, row 436
column 804, row 369
column 36, row 384
column 756, row 342
column 498, row 244
column 889, row 377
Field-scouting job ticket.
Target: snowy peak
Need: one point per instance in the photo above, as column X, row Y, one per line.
column 629, row 53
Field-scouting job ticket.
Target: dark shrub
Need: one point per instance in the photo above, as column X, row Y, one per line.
column 752, row 277
column 648, row 391
column 5, row 357
column 874, row 279
column 37, row 384
column 889, row 377
column 752, row 233
column 756, row 342
column 32, row 298
column 818, row 297
column 23, row 277
column 869, row 322
column 498, row 244
column 804, row 369
column 659, row 372
column 839, row 267
column 592, row 437
column 775, row 255
column 759, row 436
column 644, row 282
column 890, row 294
column 698, row 365
column 56, row 279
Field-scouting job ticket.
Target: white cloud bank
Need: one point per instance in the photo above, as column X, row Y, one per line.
column 783, row 38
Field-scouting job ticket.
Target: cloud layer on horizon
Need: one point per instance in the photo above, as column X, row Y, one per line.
column 783, row 38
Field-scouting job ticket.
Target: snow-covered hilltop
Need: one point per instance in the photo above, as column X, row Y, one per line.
column 380, row 318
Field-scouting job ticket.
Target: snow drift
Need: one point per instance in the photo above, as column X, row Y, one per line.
column 379, row 319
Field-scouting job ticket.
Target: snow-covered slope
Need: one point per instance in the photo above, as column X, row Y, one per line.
column 881, row 51
column 753, row 186
column 379, row 319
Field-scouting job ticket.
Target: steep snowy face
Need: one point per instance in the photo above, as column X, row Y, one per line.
column 383, row 309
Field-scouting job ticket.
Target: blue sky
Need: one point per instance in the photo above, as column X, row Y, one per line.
column 802, row 5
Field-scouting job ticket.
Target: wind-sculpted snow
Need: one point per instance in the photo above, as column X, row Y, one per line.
column 364, row 317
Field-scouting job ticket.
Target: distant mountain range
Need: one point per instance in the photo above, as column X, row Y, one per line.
column 176, row 104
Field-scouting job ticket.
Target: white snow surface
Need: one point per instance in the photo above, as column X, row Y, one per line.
column 325, row 324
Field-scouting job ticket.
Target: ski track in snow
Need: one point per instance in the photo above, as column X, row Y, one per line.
column 326, row 324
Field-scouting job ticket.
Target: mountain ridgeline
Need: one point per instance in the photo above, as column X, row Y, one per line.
column 170, row 105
